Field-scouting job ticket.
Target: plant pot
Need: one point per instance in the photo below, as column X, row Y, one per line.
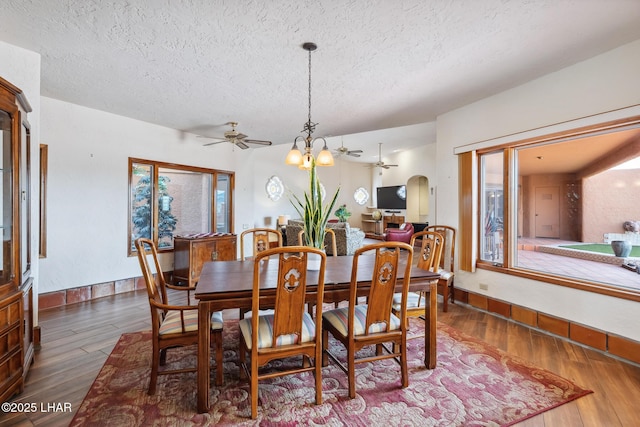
column 621, row 248
column 313, row 262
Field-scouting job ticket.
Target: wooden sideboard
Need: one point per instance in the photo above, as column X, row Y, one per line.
column 393, row 219
column 191, row 252
column 375, row 229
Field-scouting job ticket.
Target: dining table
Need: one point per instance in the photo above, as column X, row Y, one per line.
column 229, row 285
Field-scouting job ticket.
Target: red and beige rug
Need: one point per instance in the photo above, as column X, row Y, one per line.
column 474, row 384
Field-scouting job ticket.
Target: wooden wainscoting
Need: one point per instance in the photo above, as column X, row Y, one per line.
column 599, row 340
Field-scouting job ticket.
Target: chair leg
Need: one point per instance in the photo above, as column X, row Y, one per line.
column 452, row 292
column 242, row 356
column 351, row 373
column 155, row 362
column 445, row 297
column 325, row 347
column 318, row 376
column 254, row 388
column 403, row 364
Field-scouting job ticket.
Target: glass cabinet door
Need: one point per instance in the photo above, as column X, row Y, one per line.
column 25, row 201
column 6, row 210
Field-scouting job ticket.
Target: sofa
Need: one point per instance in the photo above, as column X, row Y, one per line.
column 348, row 239
column 400, row 234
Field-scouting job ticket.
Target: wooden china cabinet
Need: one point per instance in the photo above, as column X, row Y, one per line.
column 16, row 293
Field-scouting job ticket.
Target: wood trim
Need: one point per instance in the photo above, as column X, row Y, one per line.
column 44, row 172
column 553, row 324
column 465, row 171
column 478, row 301
column 588, row 336
column 623, row 347
column 603, row 341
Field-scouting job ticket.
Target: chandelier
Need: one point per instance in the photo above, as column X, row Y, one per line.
column 295, row 157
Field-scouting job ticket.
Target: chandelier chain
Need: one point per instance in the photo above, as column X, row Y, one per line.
column 309, row 127
column 309, row 86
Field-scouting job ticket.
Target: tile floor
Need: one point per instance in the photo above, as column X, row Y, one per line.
column 574, row 267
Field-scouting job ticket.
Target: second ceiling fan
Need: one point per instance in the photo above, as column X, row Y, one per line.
column 236, row 138
column 345, row 151
column 380, row 164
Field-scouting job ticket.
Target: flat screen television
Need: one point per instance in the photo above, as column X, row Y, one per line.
column 393, row 197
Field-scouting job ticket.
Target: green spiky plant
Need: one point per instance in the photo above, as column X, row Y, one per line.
column 313, row 213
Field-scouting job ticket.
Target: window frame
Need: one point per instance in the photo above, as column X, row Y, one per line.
column 471, row 217
column 155, row 166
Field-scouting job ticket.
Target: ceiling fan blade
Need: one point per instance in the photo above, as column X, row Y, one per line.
column 353, row 154
column 211, row 137
column 242, row 145
column 241, row 136
column 257, row 141
column 213, row 143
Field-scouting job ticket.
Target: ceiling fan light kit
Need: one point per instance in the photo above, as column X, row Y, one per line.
column 295, row 156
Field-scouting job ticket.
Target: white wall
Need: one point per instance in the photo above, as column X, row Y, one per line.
column 602, row 84
column 87, row 210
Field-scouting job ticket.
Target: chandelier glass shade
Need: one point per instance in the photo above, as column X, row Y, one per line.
column 295, row 156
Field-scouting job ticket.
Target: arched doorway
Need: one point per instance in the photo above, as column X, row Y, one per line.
column 418, row 199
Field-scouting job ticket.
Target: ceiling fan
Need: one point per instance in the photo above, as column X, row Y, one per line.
column 345, row 151
column 380, row 164
column 236, row 138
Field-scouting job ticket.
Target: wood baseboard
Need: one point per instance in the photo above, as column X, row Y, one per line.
column 603, row 341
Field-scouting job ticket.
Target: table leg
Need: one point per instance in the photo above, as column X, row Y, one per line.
column 430, row 321
column 202, row 373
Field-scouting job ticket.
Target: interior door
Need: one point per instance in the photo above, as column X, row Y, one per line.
column 547, row 208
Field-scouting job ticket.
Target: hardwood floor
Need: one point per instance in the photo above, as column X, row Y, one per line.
column 76, row 341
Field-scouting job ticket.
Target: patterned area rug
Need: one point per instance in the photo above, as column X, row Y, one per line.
column 474, row 384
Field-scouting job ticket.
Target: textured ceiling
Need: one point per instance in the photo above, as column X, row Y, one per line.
column 194, row 65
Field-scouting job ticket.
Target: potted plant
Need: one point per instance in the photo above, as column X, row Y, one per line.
column 342, row 213
column 312, row 212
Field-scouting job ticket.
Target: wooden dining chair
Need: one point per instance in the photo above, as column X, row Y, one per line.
column 262, row 239
column 446, row 266
column 330, row 232
column 428, row 259
column 373, row 323
column 172, row 325
column 290, row 330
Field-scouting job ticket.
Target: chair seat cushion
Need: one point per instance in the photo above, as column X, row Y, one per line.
column 413, row 301
column 172, row 324
column 338, row 318
column 265, row 332
column 444, row 274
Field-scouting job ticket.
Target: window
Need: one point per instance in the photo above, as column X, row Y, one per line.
column 168, row 200
column 541, row 201
column 492, row 207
